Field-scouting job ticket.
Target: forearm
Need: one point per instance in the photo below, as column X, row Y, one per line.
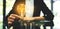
column 39, row 18
column 33, row 18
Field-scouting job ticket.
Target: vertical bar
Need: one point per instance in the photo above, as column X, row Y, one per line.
column 33, row 25
column 30, row 25
column 41, row 26
column 25, row 24
column 51, row 5
column 4, row 8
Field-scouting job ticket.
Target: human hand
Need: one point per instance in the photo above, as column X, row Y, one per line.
column 12, row 17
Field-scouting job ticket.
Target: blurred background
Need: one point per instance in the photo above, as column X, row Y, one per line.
column 53, row 5
column 1, row 14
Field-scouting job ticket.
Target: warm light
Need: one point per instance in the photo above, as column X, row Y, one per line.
column 21, row 9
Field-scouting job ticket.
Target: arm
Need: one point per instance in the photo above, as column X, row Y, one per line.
column 34, row 18
column 39, row 18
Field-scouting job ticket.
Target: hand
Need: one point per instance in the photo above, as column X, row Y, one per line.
column 12, row 17
column 28, row 18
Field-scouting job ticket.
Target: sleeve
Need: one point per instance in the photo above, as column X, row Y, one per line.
column 47, row 13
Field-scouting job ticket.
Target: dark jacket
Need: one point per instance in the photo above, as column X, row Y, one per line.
column 39, row 6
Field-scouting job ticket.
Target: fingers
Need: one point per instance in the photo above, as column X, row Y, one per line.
column 11, row 18
column 14, row 15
